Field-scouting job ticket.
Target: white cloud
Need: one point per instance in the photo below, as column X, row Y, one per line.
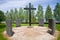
column 13, row 4
column 18, row 3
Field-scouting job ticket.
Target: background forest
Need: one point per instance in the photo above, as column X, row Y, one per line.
column 22, row 14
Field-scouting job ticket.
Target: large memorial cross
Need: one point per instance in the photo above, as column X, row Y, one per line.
column 30, row 12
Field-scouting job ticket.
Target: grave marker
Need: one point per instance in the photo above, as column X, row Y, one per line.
column 52, row 26
column 9, row 27
column 41, row 22
column 18, row 23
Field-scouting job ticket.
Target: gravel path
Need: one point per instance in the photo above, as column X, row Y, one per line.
column 35, row 33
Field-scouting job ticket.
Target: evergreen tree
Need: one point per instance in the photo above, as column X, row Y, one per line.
column 7, row 15
column 48, row 13
column 57, row 12
column 12, row 14
column 26, row 15
column 16, row 13
column 1, row 16
column 33, row 19
column 21, row 14
column 40, row 12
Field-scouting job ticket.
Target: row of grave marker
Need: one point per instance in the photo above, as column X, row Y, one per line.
column 51, row 25
column 9, row 26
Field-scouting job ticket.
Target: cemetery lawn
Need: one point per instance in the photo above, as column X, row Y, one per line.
column 3, row 27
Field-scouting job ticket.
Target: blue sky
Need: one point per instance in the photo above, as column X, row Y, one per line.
column 11, row 4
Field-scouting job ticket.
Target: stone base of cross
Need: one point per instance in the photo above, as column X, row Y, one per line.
column 29, row 27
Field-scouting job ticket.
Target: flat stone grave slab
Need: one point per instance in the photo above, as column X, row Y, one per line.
column 34, row 33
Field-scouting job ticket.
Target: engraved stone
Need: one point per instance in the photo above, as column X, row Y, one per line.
column 52, row 26
column 9, row 27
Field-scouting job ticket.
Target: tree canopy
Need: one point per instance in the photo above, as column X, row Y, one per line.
column 48, row 13
column 2, row 17
column 57, row 12
column 35, row 16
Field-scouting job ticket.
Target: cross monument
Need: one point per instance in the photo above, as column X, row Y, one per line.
column 30, row 12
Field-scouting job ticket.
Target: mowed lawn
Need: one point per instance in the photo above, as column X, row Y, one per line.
column 3, row 27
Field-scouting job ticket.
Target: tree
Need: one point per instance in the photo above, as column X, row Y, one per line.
column 21, row 14
column 26, row 13
column 16, row 13
column 7, row 15
column 48, row 13
column 1, row 16
column 12, row 15
column 39, row 14
column 33, row 17
column 57, row 12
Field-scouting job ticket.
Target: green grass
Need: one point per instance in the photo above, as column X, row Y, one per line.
column 58, row 27
column 3, row 27
column 58, row 37
column 2, row 37
column 28, row 25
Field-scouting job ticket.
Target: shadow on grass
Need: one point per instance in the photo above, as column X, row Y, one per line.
column 2, row 26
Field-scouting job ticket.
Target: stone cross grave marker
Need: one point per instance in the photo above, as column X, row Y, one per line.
column 18, row 22
column 30, row 12
column 41, row 22
column 9, row 27
column 52, row 26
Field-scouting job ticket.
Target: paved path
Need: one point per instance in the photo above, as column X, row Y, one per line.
column 35, row 33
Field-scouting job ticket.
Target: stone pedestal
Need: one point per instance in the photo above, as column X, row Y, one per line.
column 41, row 22
column 52, row 26
column 18, row 23
column 9, row 27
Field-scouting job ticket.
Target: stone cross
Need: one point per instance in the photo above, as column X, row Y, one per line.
column 52, row 26
column 30, row 12
column 9, row 27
